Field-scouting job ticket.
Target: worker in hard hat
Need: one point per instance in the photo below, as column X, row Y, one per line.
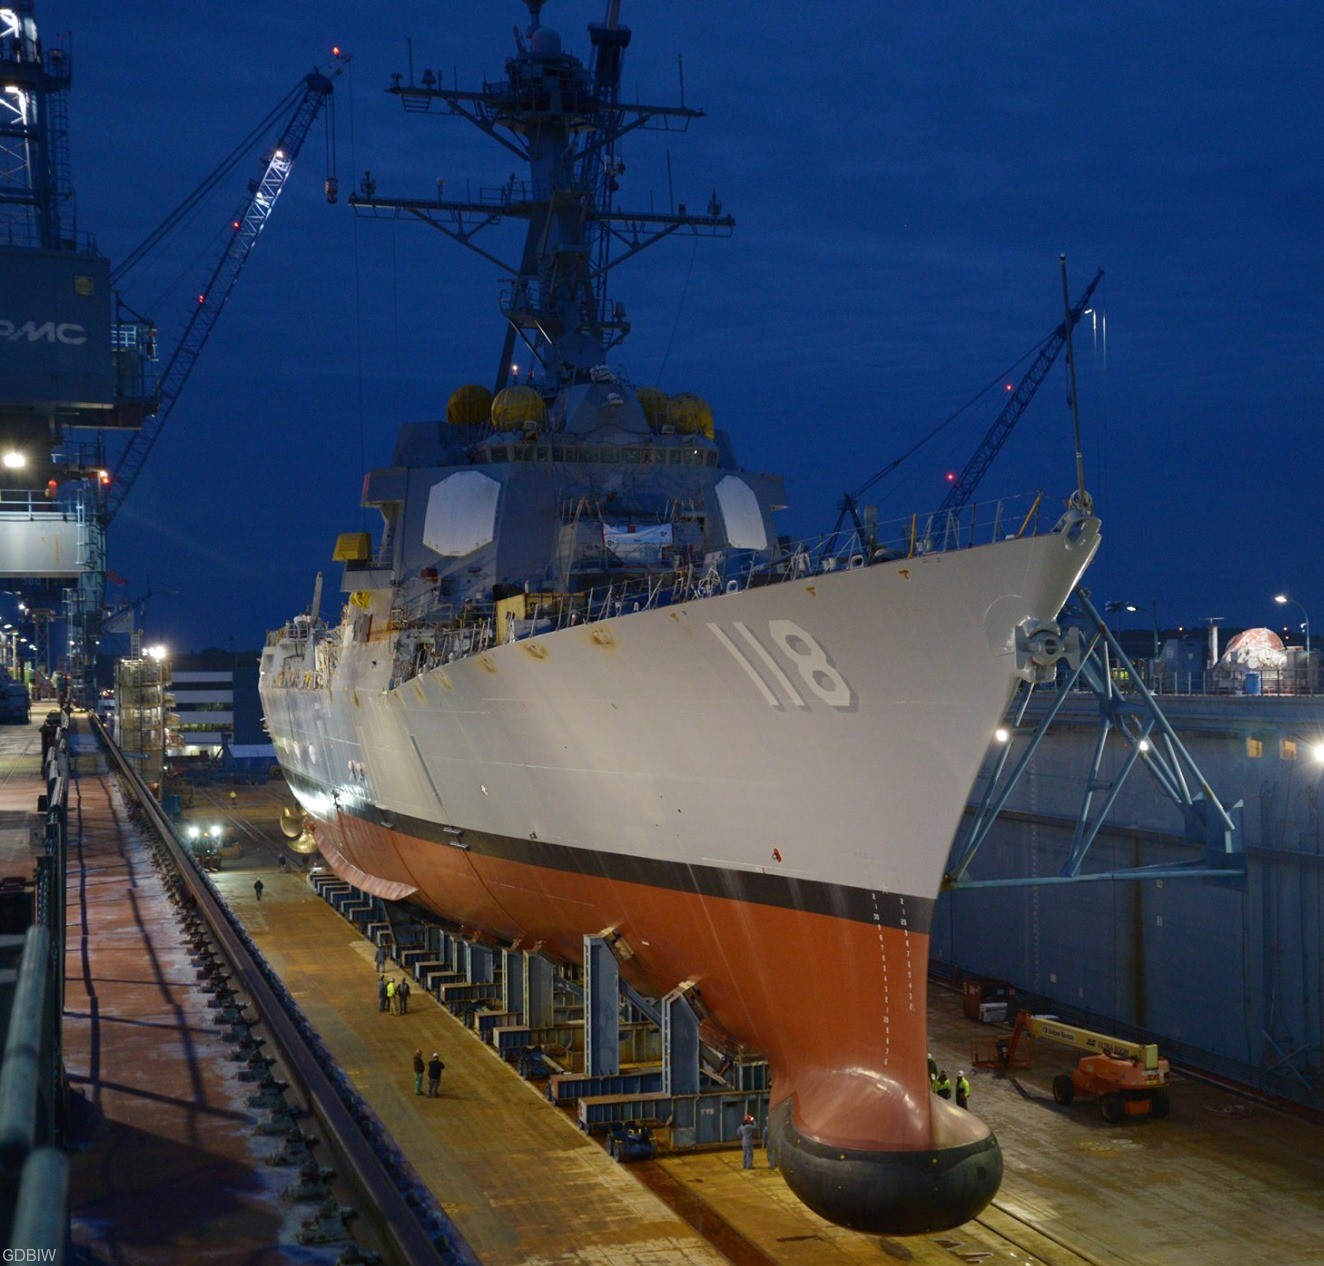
column 933, row 1071
column 942, row 1087
column 746, row 1132
column 962, row 1089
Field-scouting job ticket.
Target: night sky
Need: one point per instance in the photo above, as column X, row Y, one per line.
column 904, row 180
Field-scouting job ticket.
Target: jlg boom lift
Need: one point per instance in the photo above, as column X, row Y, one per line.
column 1129, row 1077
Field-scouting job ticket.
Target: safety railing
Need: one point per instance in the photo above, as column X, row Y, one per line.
column 730, row 571
column 32, row 1072
column 424, row 641
column 1303, row 678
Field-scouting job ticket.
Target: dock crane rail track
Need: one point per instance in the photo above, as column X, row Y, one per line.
column 413, row 1241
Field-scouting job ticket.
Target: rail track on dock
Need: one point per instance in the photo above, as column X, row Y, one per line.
column 402, row 1215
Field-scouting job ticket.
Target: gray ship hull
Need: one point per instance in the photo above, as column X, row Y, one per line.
column 756, row 790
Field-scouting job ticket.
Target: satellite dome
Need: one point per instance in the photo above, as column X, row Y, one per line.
column 690, row 414
column 545, row 42
column 654, row 404
column 516, row 407
column 469, row 405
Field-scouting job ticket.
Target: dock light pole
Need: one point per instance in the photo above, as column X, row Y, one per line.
column 1116, row 608
column 1282, row 599
column 1119, row 608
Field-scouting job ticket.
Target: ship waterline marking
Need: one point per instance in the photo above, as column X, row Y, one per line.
column 806, row 656
column 758, row 886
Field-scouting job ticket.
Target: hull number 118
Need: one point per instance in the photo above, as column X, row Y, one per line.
column 804, row 657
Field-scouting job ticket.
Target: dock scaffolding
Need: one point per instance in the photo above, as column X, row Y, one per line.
column 1094, row 661
column 142, row 704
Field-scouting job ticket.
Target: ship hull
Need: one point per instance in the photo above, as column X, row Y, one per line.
column 757, row 791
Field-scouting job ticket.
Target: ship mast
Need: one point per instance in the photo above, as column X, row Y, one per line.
column 564, row 121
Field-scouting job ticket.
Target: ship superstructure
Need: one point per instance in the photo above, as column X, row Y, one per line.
column 580, row 683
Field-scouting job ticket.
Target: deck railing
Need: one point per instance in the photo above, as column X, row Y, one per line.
column 425, row 640
column 32, row 1072
column 422, row 645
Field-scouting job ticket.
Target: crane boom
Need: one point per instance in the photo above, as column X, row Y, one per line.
column 247, row 224
column 1051, row 1029
column 1129, row 1078
column 968, row 480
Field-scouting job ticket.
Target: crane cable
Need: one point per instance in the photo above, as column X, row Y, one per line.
column 219, row 173
column 979, row 395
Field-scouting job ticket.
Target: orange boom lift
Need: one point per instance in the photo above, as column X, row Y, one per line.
column 1129, row 1077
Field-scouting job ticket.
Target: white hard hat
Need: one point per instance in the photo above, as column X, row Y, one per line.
column 960, row 1072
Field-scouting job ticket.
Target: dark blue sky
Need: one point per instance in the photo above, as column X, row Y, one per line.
column 904, row 179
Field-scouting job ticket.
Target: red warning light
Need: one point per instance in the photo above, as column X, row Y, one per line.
column 335, row 51
column 202, row 298
column 103, row 476
column 1009, row 387
column 951, row 477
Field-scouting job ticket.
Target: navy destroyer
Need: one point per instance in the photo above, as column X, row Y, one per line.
column 580, row 683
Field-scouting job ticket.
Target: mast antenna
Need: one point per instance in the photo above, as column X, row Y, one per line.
column 1081, row 499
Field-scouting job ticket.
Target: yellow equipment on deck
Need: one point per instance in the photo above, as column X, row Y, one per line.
column 1129, row 1077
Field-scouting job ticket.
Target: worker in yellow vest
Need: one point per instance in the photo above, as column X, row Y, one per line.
column 962, row 1089
column 942, row 1087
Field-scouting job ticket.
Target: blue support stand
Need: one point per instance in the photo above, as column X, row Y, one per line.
column 537, row 991
column 602, row 1009
column 512, row 981
column 481, row 970
column 680, row 1046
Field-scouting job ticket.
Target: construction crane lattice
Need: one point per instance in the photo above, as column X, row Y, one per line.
column 977, row 467
column 247, row 224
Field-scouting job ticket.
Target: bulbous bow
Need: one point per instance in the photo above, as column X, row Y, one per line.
column 912, row 1192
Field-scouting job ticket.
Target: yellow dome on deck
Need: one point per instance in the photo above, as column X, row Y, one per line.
column 690, row 414
column 516, row 407
column 654, row 404
column 470, row 405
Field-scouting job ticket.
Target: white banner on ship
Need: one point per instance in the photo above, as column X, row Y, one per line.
column 633, row 544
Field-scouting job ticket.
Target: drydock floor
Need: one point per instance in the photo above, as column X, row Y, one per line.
column 1222, row 1180
column 1221, row 1177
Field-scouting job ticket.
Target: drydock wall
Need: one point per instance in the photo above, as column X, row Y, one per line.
column 1230, row 978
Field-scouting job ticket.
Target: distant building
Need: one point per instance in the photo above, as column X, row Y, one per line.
column 215, row 707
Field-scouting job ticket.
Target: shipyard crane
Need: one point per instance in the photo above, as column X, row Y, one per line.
column 312, row 93
column 963, row 487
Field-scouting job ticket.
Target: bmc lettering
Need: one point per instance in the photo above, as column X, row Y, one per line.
column 47, row 332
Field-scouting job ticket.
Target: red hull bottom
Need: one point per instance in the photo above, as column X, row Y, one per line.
column 837, row 1006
